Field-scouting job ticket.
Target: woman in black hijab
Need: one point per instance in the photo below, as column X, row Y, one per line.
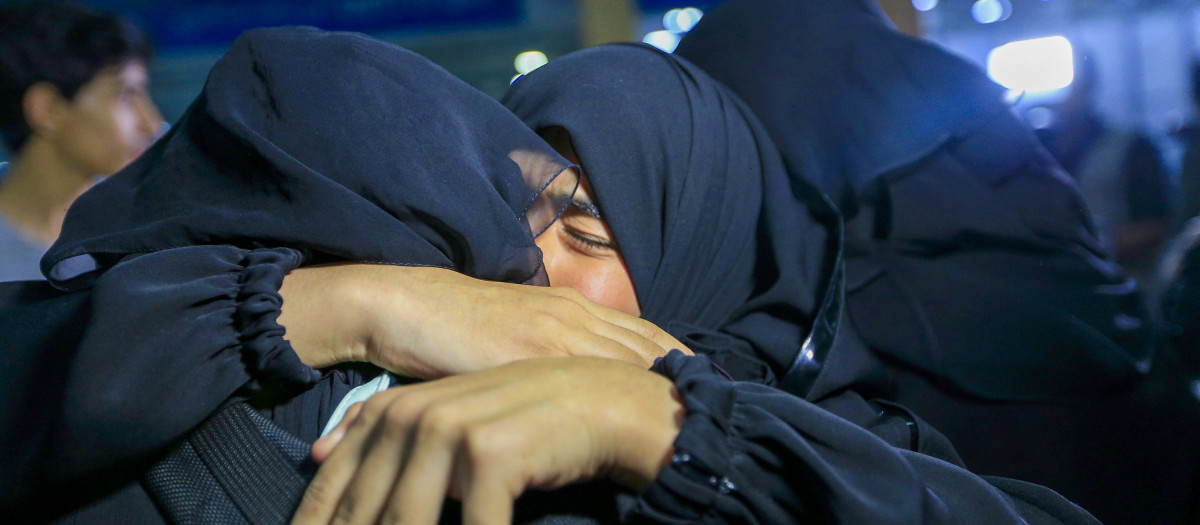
column 694, row 200
column 973, row 269
column 166, row 274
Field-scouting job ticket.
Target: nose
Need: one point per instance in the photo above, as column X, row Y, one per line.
column 150, row 120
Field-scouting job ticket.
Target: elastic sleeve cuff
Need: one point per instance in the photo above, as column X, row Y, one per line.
column 256, row 314
column 700, row 472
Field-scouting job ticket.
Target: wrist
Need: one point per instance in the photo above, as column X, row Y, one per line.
column 323, row 313
column 648, row 442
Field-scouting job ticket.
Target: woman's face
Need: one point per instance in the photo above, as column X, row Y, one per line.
column 578, row 249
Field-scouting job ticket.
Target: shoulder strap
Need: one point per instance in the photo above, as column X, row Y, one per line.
column 237, row 467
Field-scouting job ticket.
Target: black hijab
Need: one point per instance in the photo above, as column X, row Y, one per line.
column 700, row 205
column 334, row 143
column 971, row 257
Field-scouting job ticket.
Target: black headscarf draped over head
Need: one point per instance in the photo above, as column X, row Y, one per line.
column 721, row 251
column 334, row 143
column 969, row 252
column 834, row 82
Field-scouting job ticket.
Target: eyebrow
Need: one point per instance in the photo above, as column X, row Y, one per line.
column 587, row 208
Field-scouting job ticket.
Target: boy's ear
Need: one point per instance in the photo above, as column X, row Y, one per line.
column 44, row 107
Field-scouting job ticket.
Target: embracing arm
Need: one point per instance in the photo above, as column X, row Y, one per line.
column 701, row 450
column 430, row 322
column 99, row 378
column 116, row 373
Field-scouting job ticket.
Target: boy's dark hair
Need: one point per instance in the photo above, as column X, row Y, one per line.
column 63, row 43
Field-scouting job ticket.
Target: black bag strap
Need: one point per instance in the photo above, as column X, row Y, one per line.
column 234, row 468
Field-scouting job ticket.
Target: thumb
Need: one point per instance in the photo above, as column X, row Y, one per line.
column 324, row 446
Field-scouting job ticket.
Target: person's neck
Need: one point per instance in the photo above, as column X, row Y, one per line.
column 36, row 191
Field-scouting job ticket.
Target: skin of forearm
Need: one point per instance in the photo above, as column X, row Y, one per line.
column 324, row 311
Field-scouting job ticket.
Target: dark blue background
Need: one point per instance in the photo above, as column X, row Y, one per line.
column 205, row 22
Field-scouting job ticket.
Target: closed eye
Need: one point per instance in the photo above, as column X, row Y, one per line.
column 589, row 241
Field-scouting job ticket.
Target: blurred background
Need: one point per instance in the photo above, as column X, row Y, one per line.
column 1141, row 50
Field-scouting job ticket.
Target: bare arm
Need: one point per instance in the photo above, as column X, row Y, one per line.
column 431, row 322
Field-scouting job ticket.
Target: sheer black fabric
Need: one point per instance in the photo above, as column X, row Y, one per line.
column 973, row 267
column 700, row 205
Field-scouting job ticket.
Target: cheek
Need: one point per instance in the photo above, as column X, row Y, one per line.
column 604, row 282
column 105, row 138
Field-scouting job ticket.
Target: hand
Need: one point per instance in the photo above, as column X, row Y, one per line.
column 488, row 436
column 431, row 322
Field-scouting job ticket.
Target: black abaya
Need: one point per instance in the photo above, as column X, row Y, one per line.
column 725, row 251
column 973, row 268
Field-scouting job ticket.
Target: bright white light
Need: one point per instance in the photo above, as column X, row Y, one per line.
column 924, row 5
column 514, row 78
column 991, row 11
column 1041, row 64
column 681, row 20
column 664, row 40
column 529, row 61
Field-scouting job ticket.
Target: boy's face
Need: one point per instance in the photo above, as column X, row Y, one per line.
column 110, row 121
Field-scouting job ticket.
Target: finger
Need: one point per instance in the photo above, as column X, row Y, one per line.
column 646, row 349
column 325, row 492
column 418, row 495
column 640, row 328
column 487, row 498
column 592, row 345
column 366, row 494
column 324, row 446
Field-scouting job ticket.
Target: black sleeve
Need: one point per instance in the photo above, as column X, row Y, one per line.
column 1146, row 183
column 113, row 374
column 752, row 454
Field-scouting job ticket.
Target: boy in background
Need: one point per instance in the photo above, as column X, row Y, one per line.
column 74, row 105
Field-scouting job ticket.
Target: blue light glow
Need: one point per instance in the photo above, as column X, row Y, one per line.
column 991, row 11
column 924, row 5
column 681, row 20
column 664, row 40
